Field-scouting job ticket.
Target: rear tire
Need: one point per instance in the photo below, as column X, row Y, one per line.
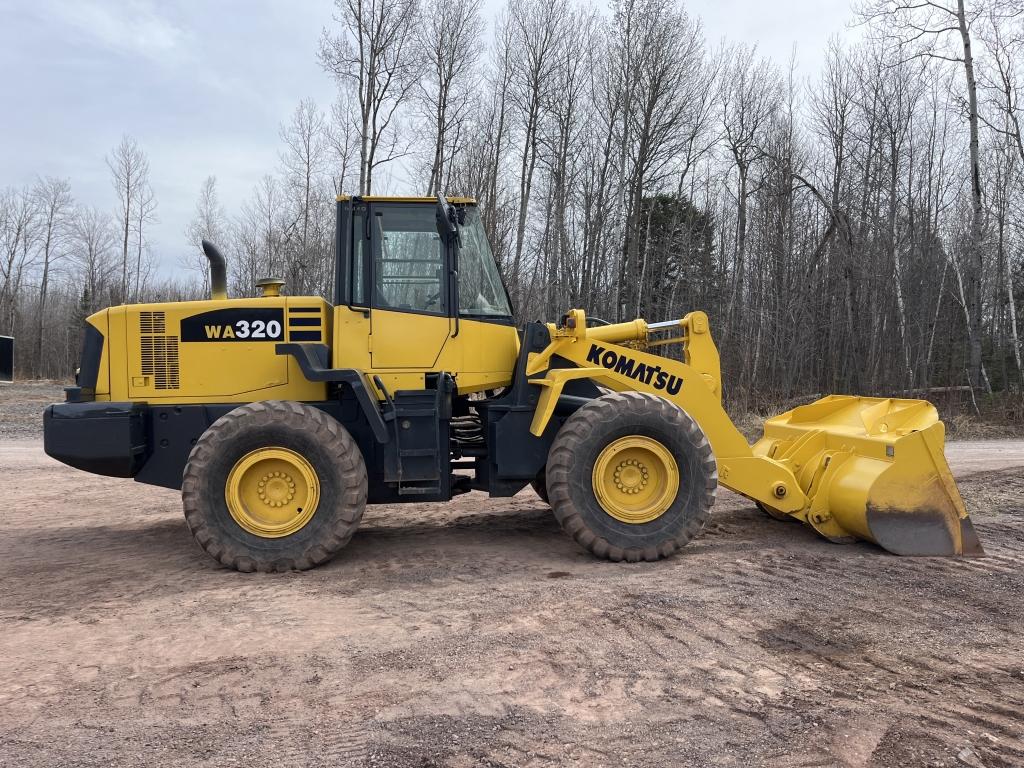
column 665, row 432
column 328, row 471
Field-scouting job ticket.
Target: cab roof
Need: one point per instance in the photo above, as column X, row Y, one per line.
column 390, row 199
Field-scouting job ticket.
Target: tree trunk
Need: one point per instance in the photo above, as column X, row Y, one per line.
column 975, row 254
column 44, row 283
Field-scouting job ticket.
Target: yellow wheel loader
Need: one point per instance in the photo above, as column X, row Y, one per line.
column 280, row 417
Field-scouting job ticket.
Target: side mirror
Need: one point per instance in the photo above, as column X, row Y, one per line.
column 447, row 219
column 448, row 227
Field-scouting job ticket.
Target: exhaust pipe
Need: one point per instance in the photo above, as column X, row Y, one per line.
column 218, row 271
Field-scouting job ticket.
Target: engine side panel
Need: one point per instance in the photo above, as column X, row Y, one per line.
column 211, row 351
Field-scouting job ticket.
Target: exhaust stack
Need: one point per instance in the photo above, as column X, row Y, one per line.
column 218, row 271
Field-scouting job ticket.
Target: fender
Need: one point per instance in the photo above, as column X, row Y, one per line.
column 312, row 360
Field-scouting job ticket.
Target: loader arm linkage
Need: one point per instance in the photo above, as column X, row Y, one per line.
column 849, row 467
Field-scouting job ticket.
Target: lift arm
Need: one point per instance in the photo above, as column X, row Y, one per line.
column 614, row 357
column 850, row 467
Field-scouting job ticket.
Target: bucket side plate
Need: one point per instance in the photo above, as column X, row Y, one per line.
column 874, row 469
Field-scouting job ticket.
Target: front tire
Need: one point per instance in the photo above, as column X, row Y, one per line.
column 631, row 476
column 274, row 486
column 540, row 486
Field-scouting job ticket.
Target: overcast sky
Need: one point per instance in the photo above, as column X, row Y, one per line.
column 204, row 86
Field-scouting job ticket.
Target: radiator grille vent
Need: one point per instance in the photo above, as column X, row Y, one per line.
column 160, row 360
column 152, row 322
column 159, row 353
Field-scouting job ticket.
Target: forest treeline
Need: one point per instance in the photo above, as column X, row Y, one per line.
column 858, row 230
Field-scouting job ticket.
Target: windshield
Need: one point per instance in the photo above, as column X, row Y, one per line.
column 480, row 289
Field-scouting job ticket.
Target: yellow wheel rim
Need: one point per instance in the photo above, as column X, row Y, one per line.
column 636, row 479
column 272, row 492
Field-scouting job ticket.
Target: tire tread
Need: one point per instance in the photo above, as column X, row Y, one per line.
column 577, row 431
column 328, row 432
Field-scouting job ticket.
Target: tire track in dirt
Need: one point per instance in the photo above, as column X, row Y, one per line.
column 477, row 633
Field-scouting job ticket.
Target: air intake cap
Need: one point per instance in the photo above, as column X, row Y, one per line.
column 270, row 286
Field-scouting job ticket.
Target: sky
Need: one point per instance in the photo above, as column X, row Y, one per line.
column 204, row 87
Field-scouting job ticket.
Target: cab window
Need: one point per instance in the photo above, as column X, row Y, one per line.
column 408, row 266
column 360, row 246
column 481, row 293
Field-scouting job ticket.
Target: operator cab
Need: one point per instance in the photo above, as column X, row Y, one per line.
column 421, row 274
column 395, row 256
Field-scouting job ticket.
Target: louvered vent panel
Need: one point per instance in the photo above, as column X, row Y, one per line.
column 159, row 352
column 152, row 322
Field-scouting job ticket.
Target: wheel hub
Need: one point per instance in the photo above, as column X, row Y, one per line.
column 276, row 489
column 631, row 476
column 272, row 492
column 636, row 479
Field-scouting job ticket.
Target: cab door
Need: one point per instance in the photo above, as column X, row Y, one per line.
column 410, row 316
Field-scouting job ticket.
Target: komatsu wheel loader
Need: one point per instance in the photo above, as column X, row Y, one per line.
column 280, row 417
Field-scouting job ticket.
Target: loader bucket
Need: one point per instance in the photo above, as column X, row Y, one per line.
column 873, row 469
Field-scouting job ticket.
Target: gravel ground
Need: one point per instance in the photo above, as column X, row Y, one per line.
column 22, row 404
column 477, row 634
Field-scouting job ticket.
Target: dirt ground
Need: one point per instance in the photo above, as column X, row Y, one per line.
column 477, row 634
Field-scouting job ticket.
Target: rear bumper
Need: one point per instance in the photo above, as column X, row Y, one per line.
column 102, row 438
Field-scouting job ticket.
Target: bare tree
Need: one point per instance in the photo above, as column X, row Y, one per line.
column 534, row 29
column 145, row 213
column 208, row 223
column 562, row 139
column 129, row 171
column 449, row 38
column 305, row 162
column 492, row 150
column 263, row 230
column 1005, row 44
column 55, row 207
column 342, row 137
column 92, row 247
column 832, row 108
column 373, row 53
column 663, row 125
column 18, row 236
column 923, row 30
column 750, row 97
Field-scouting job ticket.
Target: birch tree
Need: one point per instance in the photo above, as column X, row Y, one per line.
column 92, row 247
column 17, row 240
column 374, row 54
column 943, row 32
column 55, row 208
column 209, row 222
column 129, row 174
column 449, row 37
column 305, row 161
